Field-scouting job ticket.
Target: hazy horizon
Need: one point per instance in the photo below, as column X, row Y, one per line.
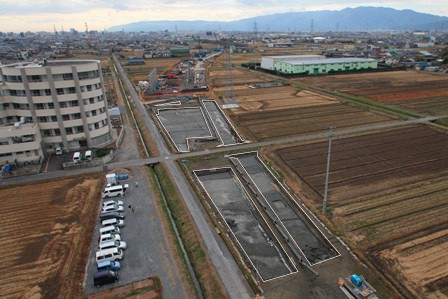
column 43, row 15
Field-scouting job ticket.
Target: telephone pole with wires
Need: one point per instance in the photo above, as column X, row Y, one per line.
column 324, row 204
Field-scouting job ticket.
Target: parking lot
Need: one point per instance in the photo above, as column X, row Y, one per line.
column 147, row 250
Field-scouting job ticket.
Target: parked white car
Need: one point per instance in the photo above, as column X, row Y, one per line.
column 112, row 202
column 113, row 244
column 113, row 208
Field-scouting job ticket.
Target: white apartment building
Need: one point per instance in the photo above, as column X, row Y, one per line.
column 52, row 104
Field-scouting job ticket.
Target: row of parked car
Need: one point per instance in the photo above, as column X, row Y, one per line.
column 110, row 244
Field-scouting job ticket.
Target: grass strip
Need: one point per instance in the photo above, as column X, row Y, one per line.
column 210, row 284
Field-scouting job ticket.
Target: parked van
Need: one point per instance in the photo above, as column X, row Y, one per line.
column 59, row 151
column 110, row 215
column 88, row 155
column 113, row 221
column 113, row 244
column 114, row 191
column 77, row 157
column 109, row 255
column 109, row 230
column 104, row 277
column 109, row 237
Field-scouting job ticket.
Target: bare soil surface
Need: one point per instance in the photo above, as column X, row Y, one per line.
column 416, row 91
column 268, row 124
column 46, row 234
column 388, row 195
column 149, row 288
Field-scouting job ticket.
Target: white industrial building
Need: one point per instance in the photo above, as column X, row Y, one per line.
column 315, row 64
column 52, row 104
column 268, row 62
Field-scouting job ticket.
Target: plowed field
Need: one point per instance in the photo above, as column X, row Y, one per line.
column 267, row 119
column 415, row 91
column 388, row 193
column 46, row 234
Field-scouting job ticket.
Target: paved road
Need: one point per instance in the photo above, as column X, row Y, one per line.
column 169, row 157
column 226, row 266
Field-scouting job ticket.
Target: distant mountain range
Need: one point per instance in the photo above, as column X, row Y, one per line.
column 348, row 19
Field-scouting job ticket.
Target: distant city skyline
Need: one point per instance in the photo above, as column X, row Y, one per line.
column 44, row 15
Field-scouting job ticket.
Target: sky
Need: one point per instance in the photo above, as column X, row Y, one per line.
column 44, row 15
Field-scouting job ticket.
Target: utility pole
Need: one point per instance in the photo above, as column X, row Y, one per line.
column 324, row 205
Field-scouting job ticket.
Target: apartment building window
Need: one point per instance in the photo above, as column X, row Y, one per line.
column 89, row 87
column 39, row 106
column 46, row 133
column 54, row 118
column 17, row 93
column 14, row 79
column 93, row 112
column 74, row 103
column 80, row 129
column 63, row 104
column 65, row 117
column 68, row 76
column 92, row 100
column 50, row 105
column 69, row 131
column 96, row 126
column 57, row 132
column 83, row 75
column 34, row 78
column 42, row 119
column 60, row 91
column 48, row 92
column 71, row 90
column 77, row 116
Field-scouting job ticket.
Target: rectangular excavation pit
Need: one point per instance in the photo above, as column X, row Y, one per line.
column 183, row 124
column 232, row 202
column 224, row 129
column 302, row 231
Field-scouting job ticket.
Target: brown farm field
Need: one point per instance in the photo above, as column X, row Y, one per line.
column 46, row 234
column 388, row 197
column 417, row 92
column 218, row 79
column 281, row 112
